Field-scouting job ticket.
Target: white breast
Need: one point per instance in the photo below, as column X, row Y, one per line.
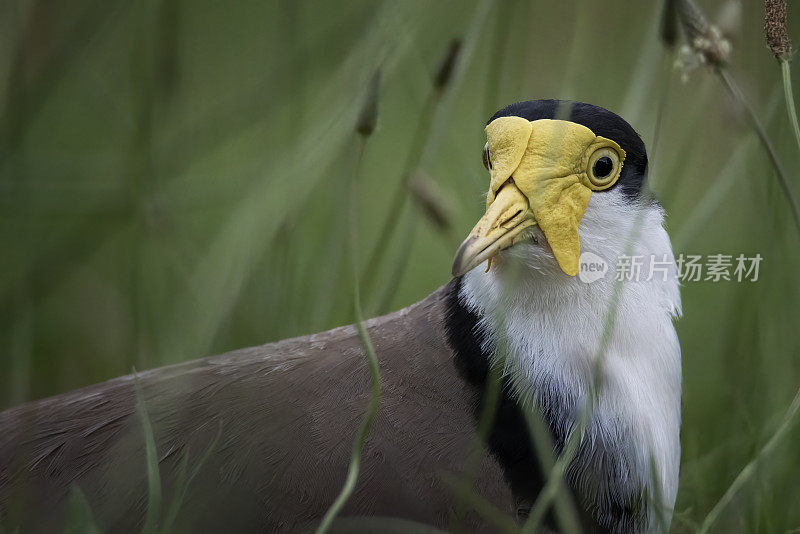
column 549, row 327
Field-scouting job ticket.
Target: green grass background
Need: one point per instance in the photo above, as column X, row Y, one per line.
column 173, row 184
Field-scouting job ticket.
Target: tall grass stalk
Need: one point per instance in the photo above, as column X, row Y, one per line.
column 151, row 523
column 751, row 469
column 786, row 74
column 557, row 474
column 780, row 45
column 447, row 80
column 555, row 491
column 239, row 158
column 710, row 201
column 79, row 518
column 421, row 136
column 477, row 23
column 392, row 221
column 486, row 418
column 707, row 42
column 400, row 264
column 723, row 183
column 372, row 359
column 500, row 42
column 184, row 481
column 466, row 495
column 783, row 179
column 463, row 486
column 493, row 384
column 555, row 478
column 566, row 513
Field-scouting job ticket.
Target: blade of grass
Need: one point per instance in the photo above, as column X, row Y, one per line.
column 410, row 226
column 473, row 35
column 500, row 43
column 721, row 185
column 422, row 131
column 79, row 514
column 393, row 214
column 707, row 42
column 566, row 513
column 184, row 483
column 655, row 499
column 783, row 179
column 555, row 478
column 780, row 44
column 220, row 276
column 751, row 468
column 571, row 449
column 786, row 74
column 455, row 64
column 382, row 524
column 500, row 521
column 153, row 474
column 466, row 489
column 374, row 371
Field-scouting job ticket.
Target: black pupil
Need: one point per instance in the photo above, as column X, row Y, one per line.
column 603, row 167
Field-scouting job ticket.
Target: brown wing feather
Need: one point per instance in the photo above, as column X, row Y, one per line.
column 275, row 424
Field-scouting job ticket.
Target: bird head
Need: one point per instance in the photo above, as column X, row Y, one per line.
column 543, row 172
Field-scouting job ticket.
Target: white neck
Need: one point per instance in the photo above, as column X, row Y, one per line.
column 551, row 324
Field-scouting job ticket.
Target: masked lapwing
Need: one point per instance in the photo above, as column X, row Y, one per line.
column 259, row 439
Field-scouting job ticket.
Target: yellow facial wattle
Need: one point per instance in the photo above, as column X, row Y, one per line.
column 543, row 172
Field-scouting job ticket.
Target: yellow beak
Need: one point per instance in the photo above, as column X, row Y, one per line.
column 499, row 228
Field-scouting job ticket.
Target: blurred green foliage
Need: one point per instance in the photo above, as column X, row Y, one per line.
column 173, row 184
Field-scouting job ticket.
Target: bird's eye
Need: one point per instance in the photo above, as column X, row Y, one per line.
column 487, row 161
column 604, row 168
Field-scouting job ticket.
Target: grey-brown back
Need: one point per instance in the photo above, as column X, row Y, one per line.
column 270, row 428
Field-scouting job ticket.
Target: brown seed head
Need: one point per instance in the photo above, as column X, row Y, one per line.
column 431, row 202
column 447, row 65
column 705, row 39
column 775, row 28
column 368, row 116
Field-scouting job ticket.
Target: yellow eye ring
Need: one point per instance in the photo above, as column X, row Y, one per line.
column 603, row 168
